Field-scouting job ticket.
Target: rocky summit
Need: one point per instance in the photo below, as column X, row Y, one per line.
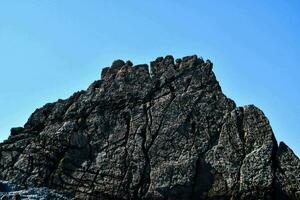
column 164, row 131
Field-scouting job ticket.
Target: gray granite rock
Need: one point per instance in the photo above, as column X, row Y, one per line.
column 287, row 173
column 161, row 132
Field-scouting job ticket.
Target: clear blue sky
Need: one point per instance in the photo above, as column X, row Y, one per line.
column 50, row 49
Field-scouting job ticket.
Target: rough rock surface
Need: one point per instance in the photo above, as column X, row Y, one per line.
column 165, row 134
column 10, row 191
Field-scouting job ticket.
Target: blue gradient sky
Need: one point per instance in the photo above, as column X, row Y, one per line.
column 50, row 49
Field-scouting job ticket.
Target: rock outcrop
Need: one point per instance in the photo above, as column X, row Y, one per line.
column 167, row 133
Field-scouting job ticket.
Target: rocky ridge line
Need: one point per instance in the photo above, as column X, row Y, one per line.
column 165, row 134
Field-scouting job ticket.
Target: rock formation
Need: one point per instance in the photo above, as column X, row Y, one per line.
column 165, row 134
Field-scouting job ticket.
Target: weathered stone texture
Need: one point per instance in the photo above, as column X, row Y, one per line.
column 165, row 134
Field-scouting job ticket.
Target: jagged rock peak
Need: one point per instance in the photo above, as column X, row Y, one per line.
column 157, row 67
column 161, row 132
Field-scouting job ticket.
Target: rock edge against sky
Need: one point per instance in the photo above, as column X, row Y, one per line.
column 165, row 134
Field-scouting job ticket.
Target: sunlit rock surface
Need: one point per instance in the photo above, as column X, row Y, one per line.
column 164, row 131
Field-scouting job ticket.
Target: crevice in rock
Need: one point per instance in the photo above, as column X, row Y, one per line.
column 127, row 119
column 202, row 180
column 140, row 190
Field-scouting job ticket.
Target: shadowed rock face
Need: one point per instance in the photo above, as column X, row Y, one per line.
column 165, row 134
